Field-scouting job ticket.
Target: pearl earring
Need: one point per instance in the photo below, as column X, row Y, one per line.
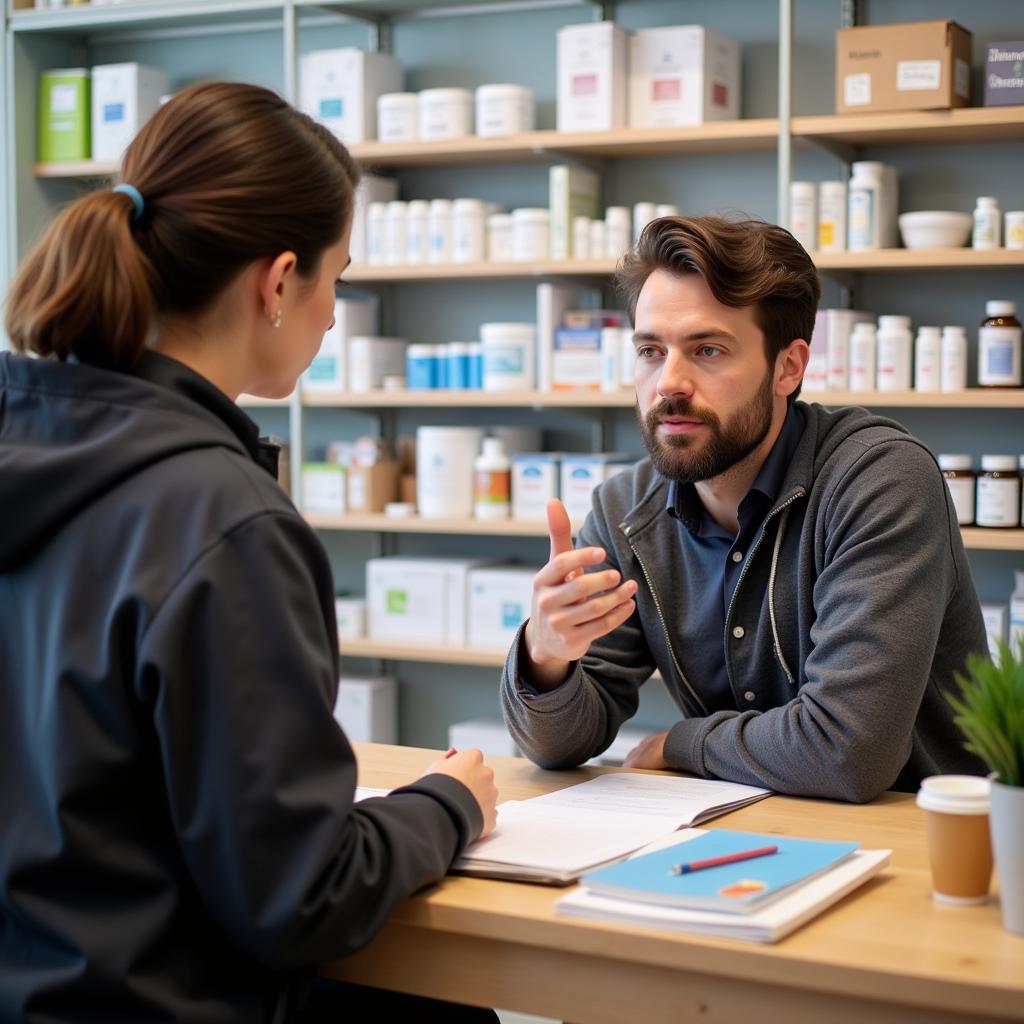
column 276, row 322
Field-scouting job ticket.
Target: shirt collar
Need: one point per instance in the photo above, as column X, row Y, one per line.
column 166, row 372
column 684, row 503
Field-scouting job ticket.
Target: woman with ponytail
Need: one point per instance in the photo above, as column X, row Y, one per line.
column 181, row 841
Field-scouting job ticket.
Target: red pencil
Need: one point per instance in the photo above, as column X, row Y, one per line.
column 714, row 862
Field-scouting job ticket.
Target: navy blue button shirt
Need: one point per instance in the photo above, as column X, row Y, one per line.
column 713, row 559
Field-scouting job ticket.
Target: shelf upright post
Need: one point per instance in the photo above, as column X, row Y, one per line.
column 848, row 13
column 7, row 169
column 785, row 144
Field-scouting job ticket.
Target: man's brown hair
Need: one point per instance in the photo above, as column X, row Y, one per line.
column 744, row 262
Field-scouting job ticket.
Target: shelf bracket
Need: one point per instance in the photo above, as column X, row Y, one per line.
column 603, row 11
column 379, row 25
column 844, row 152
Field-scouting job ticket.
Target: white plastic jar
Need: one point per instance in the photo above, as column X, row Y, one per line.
column 469, row 235
column 581, row 238
column 953, row 359
column 499, row 238
column 986, row 222
column 895, row 348
column 928, row 359
column 666, row 210
column 417, row 231
column 508, row 355
column 394, row 233
column 444, row 470
column 618, row 226
column 803, row 213
column 445, row 114
column 503, row 110
column 643, row 214
column 1013, row 229
column 832, row 216
column 863, row 357
column 376, row 234
column 398, row 117
column 864, row 206
column 530, row 233
column 439, row 227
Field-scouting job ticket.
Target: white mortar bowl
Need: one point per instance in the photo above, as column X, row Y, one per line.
column 935, row 229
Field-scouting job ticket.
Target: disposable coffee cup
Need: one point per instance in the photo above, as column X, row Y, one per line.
column 959, row 848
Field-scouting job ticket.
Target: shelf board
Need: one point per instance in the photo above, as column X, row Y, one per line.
column 144, row 13
column 390, row 650
column 479, row 271
column 920, row 259
column 443, row 399
column 985, row 539
column 972, row 124
column 77, row 169
column 379, row 523
column 972, row 398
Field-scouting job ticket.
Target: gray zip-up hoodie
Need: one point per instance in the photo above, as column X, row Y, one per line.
column 852, row 613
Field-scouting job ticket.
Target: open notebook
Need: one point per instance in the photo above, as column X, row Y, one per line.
column 557, row 837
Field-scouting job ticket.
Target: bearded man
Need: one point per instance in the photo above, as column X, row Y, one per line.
column 796, row 575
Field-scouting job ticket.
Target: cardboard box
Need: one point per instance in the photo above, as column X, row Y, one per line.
column 370, row 488
column 534, row 484
column 1004, row 74
column 922, row 65
column 592, row 77
column 339, row 88
column 576, row 359
column 418, row 600
column 323, row 489
column 123, row 98
column 572, row 192
column 371, row 359
column 487, row 735
column 499, row 603
column 329, row 369
column 581, row 474
column 65, row 119
column 367, row 708
column 682, row 75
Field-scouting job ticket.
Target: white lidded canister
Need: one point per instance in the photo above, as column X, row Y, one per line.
column 417, row 231
column 398, row 117
column 508, row 355
column 953, row 359
column 469, row 232
column 444, row 470
column 895, row 353
column 499, row 238
column 928, row 359
column 445, row 114
column 530, row 233
column 503, row 110
column 395, row 245
column 439, row 227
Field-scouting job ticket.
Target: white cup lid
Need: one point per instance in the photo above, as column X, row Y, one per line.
column 955, row 794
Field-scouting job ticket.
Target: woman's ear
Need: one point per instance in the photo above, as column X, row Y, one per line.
column 273, row 277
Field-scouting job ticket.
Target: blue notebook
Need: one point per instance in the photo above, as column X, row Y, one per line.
column 732, row 888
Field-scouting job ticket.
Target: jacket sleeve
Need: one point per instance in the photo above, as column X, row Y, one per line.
column 239, row 670
column 888, row 569
column 579, row 719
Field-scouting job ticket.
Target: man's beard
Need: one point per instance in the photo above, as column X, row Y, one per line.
column 685, row 459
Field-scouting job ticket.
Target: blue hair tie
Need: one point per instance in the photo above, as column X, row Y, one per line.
column 136, row 197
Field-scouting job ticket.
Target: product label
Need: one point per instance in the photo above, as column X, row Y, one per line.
column 999, row 356
column 719, row 94
column 666, row 90
column 63, row 99
column 331, row 107
column 583, row 85
column 998, row 502
column 493, row 487
column 396, row 601
column 826, row 234
column 113, row 113
column 857, row 89
column 504, row 359
column 962, row 493
column 862, row 218
column 512, row 613
column 918, row 75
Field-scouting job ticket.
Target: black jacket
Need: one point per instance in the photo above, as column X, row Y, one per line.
column 179, row 841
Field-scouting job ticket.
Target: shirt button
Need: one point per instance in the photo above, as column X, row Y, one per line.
column 738, row 632
column 750, row 695
column 737, row 556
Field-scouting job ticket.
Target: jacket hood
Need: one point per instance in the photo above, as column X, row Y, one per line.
column 71, row 433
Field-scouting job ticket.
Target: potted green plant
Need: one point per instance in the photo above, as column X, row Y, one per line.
column 990, row 713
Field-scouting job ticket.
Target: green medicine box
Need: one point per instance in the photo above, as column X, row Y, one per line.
column 65, row 115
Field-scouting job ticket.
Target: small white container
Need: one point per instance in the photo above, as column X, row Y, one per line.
column 627, row 358
column 530, row 233
column 376, row 234
column 895, row 348
column 350, row 615
column 499, row 238
column 863, row 357
column 581, row 238
column 666, row 210
column 534, row 484
column 445, row 114
column 986, row 221
column 508, row 355
column 1013, row 224
column 832, row 216
column 618, row 225
column 468, row 231
column 395, row 244
column 953, row 359
column 371, row 359
column 643, row 214
column 439, row 227
column 928, row 359
column 597, row 239
column 398, row 117
column 864, row 206
column 611, row 358
column 444, row 470
column 503, row 110
column 803, row 213
column 417, row 232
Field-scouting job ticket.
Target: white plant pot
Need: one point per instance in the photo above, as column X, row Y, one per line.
column 1006, row 820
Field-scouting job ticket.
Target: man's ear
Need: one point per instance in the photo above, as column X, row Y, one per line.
column 790, row 365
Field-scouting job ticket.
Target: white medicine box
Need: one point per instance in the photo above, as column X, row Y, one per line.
column 581, row 474
column 324, row 489
column 499, row 603
column 339, row 88
column 371, row 359
column 123, row 98
column 682, row 75
column 418, row 600
column 488, row 735
column 367, row 708
column 329, row 369
column 534, row 484
column 592, row 77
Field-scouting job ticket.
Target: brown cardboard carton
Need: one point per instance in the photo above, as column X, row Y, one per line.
column 370, row 488
column 923, row 65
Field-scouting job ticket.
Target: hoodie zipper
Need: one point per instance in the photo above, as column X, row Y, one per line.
column 743, row 572
column 664, row 625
